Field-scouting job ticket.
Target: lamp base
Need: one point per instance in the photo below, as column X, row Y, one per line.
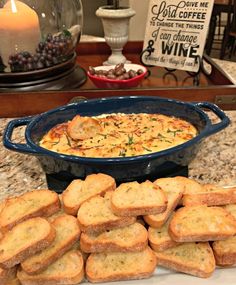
column 68, row 75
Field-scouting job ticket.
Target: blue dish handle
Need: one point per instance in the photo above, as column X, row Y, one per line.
column 19, row 147
column 214, row 128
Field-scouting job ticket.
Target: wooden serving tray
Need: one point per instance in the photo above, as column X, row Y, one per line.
column 214, row 86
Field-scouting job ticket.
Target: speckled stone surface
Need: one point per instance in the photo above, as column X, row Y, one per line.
column 214, row 163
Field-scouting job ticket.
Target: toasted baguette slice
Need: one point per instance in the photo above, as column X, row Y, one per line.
column 134, row 199
column 231, row 209
column 103, row 267
column 192, row 258
column 67, row 233
column 211, row 195
column 31, row 204
column 24, row 240
column 181, row 183
column 129, row 238
column 159, row 239
column 225, row 251
column 69, row 269
column 173, row 197
column 81, row 128
column 80, row 191
column 95, row 215
column 201, row 223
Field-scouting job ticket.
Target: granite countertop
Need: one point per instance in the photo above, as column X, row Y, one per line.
column 214, row 163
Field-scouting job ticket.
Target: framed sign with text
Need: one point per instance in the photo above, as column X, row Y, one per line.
column 176, row 32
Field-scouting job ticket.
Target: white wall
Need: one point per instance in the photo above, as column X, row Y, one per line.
column 138, row 22
column 93, row 26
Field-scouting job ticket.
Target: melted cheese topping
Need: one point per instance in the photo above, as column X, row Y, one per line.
column 122, row 135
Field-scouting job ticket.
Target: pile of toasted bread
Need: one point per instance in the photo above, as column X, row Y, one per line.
column 102, row 232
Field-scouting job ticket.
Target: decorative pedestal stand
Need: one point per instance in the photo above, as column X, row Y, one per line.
column 116, row 29
column 64, row 76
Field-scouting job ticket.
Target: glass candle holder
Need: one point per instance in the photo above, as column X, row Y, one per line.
column 38, row 34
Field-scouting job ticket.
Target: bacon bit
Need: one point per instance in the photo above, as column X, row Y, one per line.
column 187, row 136
column 147, row 149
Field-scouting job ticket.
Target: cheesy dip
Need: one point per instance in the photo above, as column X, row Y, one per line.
column 118, row 135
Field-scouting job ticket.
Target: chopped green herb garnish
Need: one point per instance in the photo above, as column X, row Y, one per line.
column 128, row 190
column 105, row 136
column 68, row 141
column 147, row 149
column 55, row 143
column 174, row 132
column 160, row 136
column 130, row 139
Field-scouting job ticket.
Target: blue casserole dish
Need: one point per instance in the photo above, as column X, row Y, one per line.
column 122, row 168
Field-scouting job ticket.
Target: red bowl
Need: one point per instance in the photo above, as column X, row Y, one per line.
column 105, row 83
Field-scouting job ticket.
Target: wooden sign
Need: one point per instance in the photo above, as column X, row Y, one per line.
column 176, row 32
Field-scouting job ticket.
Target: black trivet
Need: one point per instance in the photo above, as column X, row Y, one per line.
column 58, row 182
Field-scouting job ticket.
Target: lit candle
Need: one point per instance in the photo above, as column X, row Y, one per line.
column 19, row 29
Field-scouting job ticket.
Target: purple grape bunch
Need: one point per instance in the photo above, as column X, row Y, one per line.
column 52, row 51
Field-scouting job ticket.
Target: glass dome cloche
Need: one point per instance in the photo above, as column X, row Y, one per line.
column 38, row 34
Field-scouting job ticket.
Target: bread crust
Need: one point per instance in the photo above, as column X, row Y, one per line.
column 42, row 260
column 165, row 245
column 108, row 242
column 23, row 252
column 109, row 225
column 193, row 223
column 45, row 278
column 144, row 268
column 50, row 207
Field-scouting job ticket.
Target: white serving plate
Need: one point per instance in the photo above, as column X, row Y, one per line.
column 163, row 276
